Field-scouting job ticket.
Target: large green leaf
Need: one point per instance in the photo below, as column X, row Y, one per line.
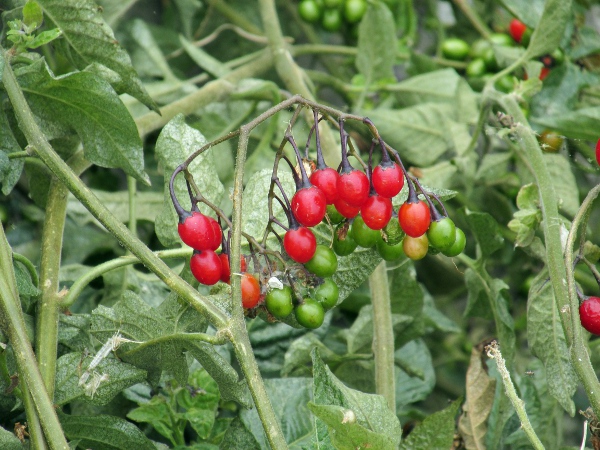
column 90, row 40
column 176, row 142
column 239, row 436
column 580, row 124
column 102, row 432
column 91, row 107
column 415, row 377
column 529, row 12
column 10, row 169
column 436, row 431
column 549, row 30
column 8, row 441
column 354, row 419
column 547, row 341
column 486, row 231
column 564, row 183
column 376, row 44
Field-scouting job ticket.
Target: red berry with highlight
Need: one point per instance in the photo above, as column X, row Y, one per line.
column 225, row 269
column 388, row 180
column 309, row 206
column 589, row 314
column 250, row 291
column 517, row 29
column 206, row 267
column 326, row 179
column 197, row 231
column 218, row 234
column 345, row 209
column 300, row 244
column 414, row 218
column 376, row 212
column 353, row 187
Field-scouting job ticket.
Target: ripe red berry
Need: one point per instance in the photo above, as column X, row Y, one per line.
column 544, row 73
column 598, row 152
column 218, row 234
column 376, row 212
column 300, row 244
column 309, row 206
column 517, row 29
column 197, row 231
column 206, row 267
column 387, row 180
column 589, row 314
column 414, row 218
column 225, row 269
column 353, row 187
column 250, row 291
column 345, row 209
column 326, row 179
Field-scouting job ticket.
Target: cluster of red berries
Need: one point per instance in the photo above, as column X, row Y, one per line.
column 301, row 289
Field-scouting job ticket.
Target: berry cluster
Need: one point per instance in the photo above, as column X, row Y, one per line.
column 333, row 15
column 295, row 284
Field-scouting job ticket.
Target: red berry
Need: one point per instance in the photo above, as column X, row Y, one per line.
column 414, row 218
column 326, row 179
column 345, row 209
column 225, row 269
column 250, row 291
column 309, row 206
column 598, row 152
column 353, row 187
column 376, row 212
column 544, row 73
column 197, row 231
column 388, row 180
column 300, row 244
column 206, row 267
column 589, row 314
column 216, row 242
column 516, row 29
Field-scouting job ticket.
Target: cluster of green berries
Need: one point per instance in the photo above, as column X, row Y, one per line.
column 332, row 15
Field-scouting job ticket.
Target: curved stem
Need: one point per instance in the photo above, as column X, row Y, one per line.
column 383, row 336
column 29, row 266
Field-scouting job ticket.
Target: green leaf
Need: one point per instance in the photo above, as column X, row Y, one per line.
column 486, row 231
column 204, row 60
column 72, row 365
column 175, row 143
column 200, row 400
column 376, row 44
column 239, row 436
column 580, row 124
column 298, row 355
column 44, row 37
column 354, row 419
column 91, row 107
column 8, row 441
column 415, row 377
column 587, row 42
column 564, row 183
column 32, row 14
column 547, row 341
column 74, row 331
column 102, row 432
column 480, row 391
column 157, row 413
column 528, row 12
column 549, row 30
column 10, row 169
column 436, row 431
column 24, row 284
column 114, row 10
column 419, row 132
column 90, row 40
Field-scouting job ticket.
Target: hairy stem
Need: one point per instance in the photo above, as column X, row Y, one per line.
column 383, row 336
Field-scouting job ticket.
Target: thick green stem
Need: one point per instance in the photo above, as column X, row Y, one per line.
column 61, row 170
column 11, row 320
column 473, row 17
column 383, row 335
column 34, row 426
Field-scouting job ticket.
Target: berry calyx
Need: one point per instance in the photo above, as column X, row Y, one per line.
column 300, row 244
column 324, row 262
column 326, row 180
column 309, row 206
column 388, row 180
column 310, row 313
column 327, row 294
column 589, row 314
column 376, row 212
column 250, row 291
column 279, row 302
column 196, row 230
column 206, row 267
column 414, row 217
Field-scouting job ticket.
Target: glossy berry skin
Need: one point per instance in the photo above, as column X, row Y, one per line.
column 309, row 10
column 225, row 269
column 346, row 209
column 589, row 314
column 353, row 188
column 310, row 313
column 343, row 247
column 388, row 180
column 551, row 142
column 354, row 10
column 326, row 179
column 376, row 212
column 414, row 218
column 324, row 262
column 279, row 302
column 459, row 244
column 300, row 244
column 516, row 28
column 362, row 234
column 206, row 267
column 218, row 234
column 389, row 252
column 250, row 291
column 598, row 152
column 415, row 248
column 197, row 231
column 309, row 206
column 393, row 232
column 442, row 234
column 327, row 294
column 455, row 49
column 334, row 215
